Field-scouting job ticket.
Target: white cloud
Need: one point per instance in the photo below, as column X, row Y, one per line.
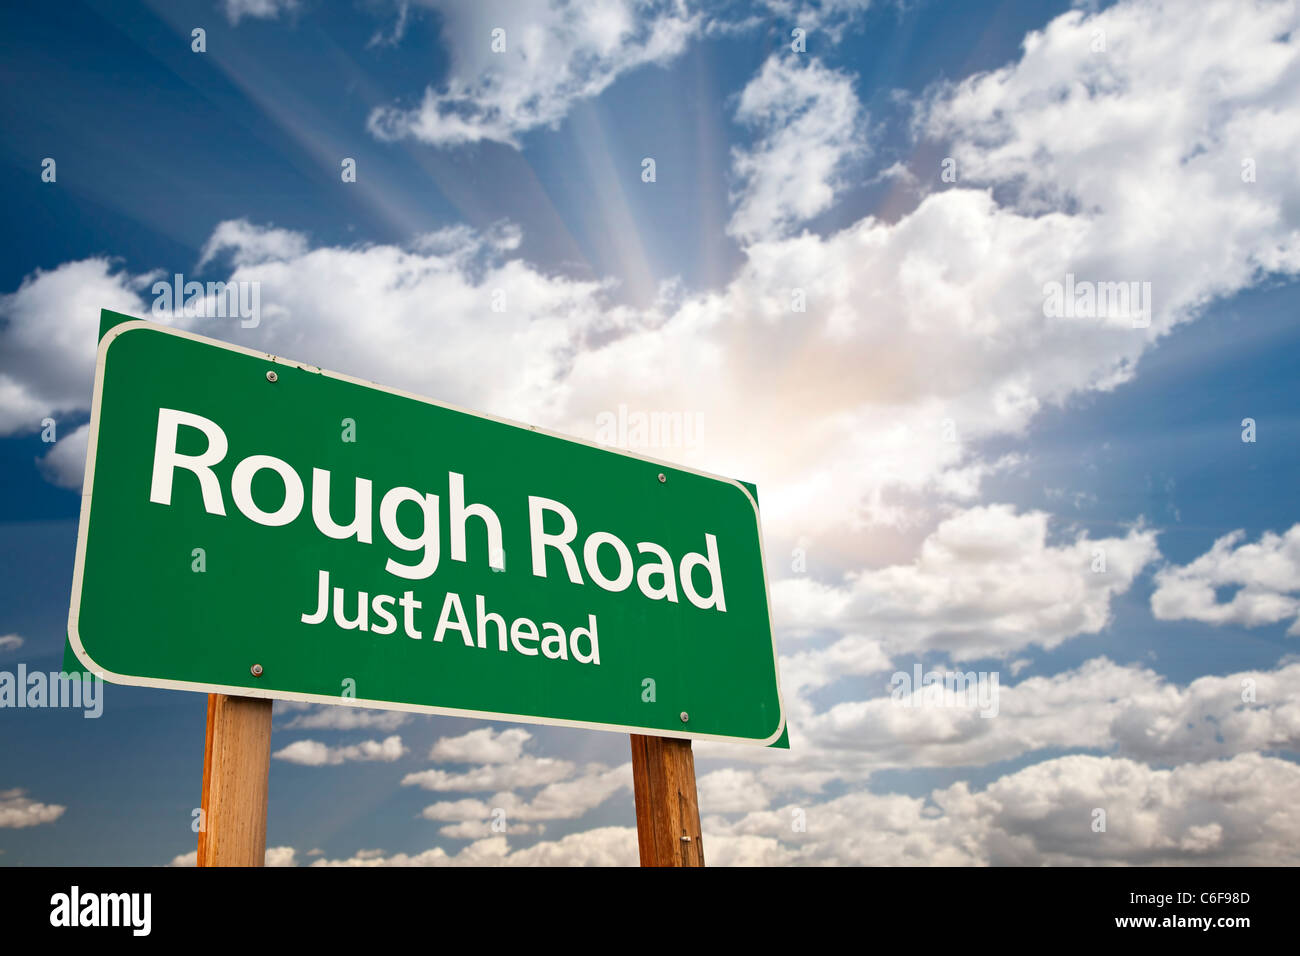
column 18, row 810
column 1212, row 717
column 10, row 642
column 280, row 856
column 986, row 583
column 565, row 800
column 1235, row 811
column 808, row 119
column 567, row 791
column 570, row 799
column 47, row 346
column 731, row 791
column 525, row 771
column 251, row 245
column 850, row 656
column 460, row 810
column 1147, row 139
column 484, row 829
column 604, row 846
column 1267, row 574
column 827, row 18
column 398, row 29
column 1099, row 706
column 1224, row 812
column 257, row 9
column 65, row 463
column 486, row 746
column 312, row 753
column 348, row 717
column 275, row 856
column 556, row 53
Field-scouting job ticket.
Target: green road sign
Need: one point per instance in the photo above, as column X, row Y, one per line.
column 251, row 525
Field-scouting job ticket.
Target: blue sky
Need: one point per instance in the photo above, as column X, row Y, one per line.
column 1108, row 141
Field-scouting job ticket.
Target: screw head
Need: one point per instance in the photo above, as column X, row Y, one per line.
column 662, row 477
column 685, row 717
column 271, row 376
column 256, row 670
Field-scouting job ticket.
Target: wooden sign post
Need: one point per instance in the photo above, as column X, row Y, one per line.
column 667, row 809
column 236, row 768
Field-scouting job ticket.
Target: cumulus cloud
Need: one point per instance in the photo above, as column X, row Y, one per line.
column 850, row 656
column 571, row 799
column 567, row 791
column 248, row 244
column 346, row 717
column 17, row 810
column 47, row 347
column 731, row 791
column 1226, row 812
column 275, row 856
column 554, row 54
column 1212, row 717
column 1140, row 141
column 10, row 642
column 236, row 10
column 281, row 856
column 826, row 17
column 486, row 746
column 565, row 800
column 603, row 846
column 1102, row 706
column 1234, row 812
column 312, row 753
column 47, row 344
column 65, row 463
column 986, row 583
column 1265, row 575
column 526, row 771
column 808, row 122
column 485, row 829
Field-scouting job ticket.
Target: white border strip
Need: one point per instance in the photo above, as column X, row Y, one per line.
column 74, row 635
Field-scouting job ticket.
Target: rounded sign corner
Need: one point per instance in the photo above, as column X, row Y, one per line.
column 129, row 326
column 83, row 655
column 780, row 729
column 753, row 502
